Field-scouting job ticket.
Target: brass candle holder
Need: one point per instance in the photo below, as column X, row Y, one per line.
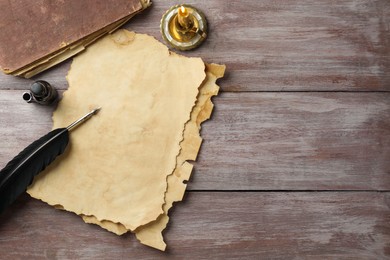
column 184, row 27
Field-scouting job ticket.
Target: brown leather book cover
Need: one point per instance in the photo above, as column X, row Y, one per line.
column 35, row 35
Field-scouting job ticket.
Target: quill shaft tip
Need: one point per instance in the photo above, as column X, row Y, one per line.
column 96, row 110
column 83, row 119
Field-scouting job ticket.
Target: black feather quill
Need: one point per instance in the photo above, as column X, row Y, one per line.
column 20, row 171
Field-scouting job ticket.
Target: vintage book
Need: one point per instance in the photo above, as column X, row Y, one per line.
column 36, row 35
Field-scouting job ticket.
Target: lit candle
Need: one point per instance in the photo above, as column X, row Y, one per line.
column 184, row 27
column 184, row 18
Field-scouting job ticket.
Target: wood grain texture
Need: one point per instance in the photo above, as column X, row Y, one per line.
column 279, row 141
column 264, row 141
column 279, row 45
column 209, row 225
column 323, row 127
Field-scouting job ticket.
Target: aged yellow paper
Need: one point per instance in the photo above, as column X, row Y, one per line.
column 126, row 167
column 117, row 164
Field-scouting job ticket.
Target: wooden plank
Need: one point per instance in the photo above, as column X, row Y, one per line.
column 263, row 141
column 314, row 141
column 278, row 45
column 209, row 225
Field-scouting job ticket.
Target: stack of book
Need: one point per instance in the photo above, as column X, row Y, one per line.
column 35, row 36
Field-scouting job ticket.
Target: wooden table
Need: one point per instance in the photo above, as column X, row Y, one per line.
column 295, row 161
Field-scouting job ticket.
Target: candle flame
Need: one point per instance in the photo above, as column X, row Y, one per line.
column 183, row 11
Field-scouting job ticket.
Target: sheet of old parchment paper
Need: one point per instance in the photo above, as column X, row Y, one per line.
column 115, row 172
